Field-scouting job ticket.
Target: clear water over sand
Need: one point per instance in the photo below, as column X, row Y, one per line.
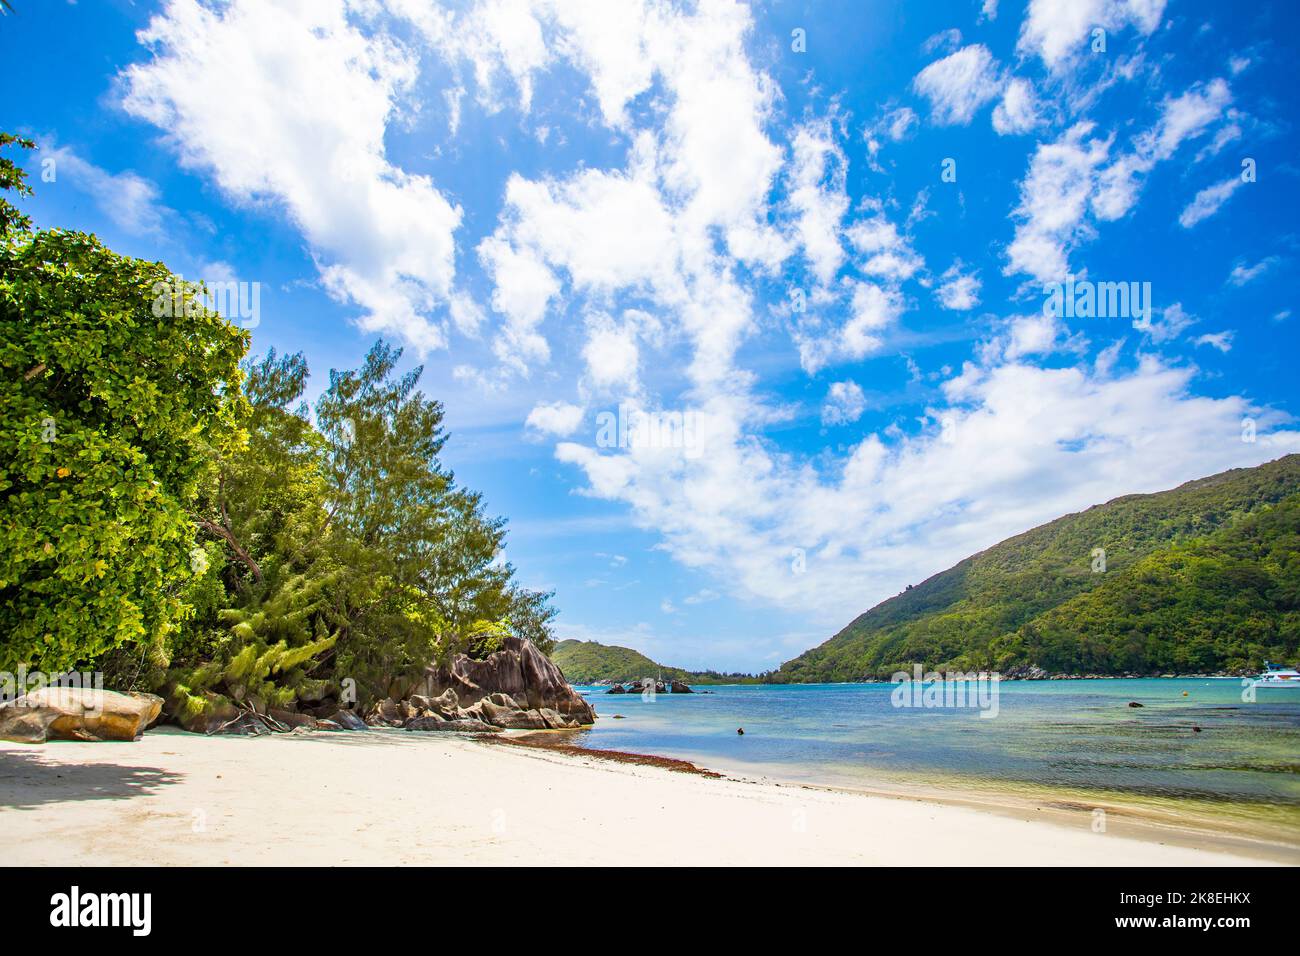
column 1076, row 739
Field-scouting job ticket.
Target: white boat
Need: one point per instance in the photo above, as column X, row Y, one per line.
column 1278, row 675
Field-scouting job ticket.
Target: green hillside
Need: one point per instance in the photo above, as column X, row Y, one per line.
column 1200, row 578
column 586, row 662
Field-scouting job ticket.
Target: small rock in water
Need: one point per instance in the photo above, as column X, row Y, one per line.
column 741, row 731
column 1196, row 729
column 1133, row 703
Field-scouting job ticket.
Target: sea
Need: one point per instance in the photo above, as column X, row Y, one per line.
column 1197, row 748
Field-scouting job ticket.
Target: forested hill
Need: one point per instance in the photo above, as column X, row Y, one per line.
column 1202, row 578
column 587, row 662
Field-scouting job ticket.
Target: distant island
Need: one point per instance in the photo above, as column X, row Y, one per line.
column 588, row 662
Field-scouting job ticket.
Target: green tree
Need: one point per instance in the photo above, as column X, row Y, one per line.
column 115, row 385
column 425, row 578
column 343, row 551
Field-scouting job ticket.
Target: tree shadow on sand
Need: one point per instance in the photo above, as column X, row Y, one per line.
column 28, row 781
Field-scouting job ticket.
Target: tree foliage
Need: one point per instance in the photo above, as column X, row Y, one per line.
column 107, row 416
column 190, row 526
column 348, row 559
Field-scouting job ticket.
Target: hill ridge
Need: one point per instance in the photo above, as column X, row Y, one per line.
column 958, row 615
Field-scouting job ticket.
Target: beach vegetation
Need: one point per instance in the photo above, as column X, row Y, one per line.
column 178, row 515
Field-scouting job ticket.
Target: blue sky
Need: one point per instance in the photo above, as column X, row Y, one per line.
column 819, row 233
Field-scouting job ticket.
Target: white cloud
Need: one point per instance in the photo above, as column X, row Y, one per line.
column 1226, row 134
column 845, row 403
column 900, row 122
column 704, row 169
column 989, row 10
column 1189, row 115
column 1172, row 322
column 1242, row 274
column 893, row 514
column 885, row 252
column 1182, row 118
column 1207, row 202
column 945, row 40
column 502, row 41
column 555, row 418
column 719, row 159
column 959, row 84
column 1053, row 200
column 1036, row 335
column 611, row 353
column 1219, row 340
column 872, row 306
column 873, row 309
column 287, row 104
column 524, row 287
column 894, row 125
column 1017, row 113
column 1055, row 30
column 466, row 314
column 958, row 291
column 818, row 197
column 130, row 201
column 1069, row 177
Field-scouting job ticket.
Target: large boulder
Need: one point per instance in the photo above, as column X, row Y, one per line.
column 445, row 705
column 501, row 711
column 516, row 678
column 348, row 720
column 74, row 713
column 391, row 712
column 679, row 687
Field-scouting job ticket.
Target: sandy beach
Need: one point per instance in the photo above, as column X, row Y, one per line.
column 174, row 798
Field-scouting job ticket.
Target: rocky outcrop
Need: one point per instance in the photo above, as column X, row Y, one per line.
column 1025, row 672
column 465, row 726
column 645, row 683
column 70, row 713
column 515, row 688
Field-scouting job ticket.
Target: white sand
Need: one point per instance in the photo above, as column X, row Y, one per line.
column 388, row 798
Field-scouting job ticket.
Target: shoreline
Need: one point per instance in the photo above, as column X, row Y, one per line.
column 387, row 797
column 1017, row 678
column 1150, row 821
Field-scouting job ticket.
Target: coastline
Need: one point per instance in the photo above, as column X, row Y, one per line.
column 389, row 797
column 1179, row 822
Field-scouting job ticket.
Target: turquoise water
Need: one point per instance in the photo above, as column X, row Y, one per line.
column 1073, row 736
